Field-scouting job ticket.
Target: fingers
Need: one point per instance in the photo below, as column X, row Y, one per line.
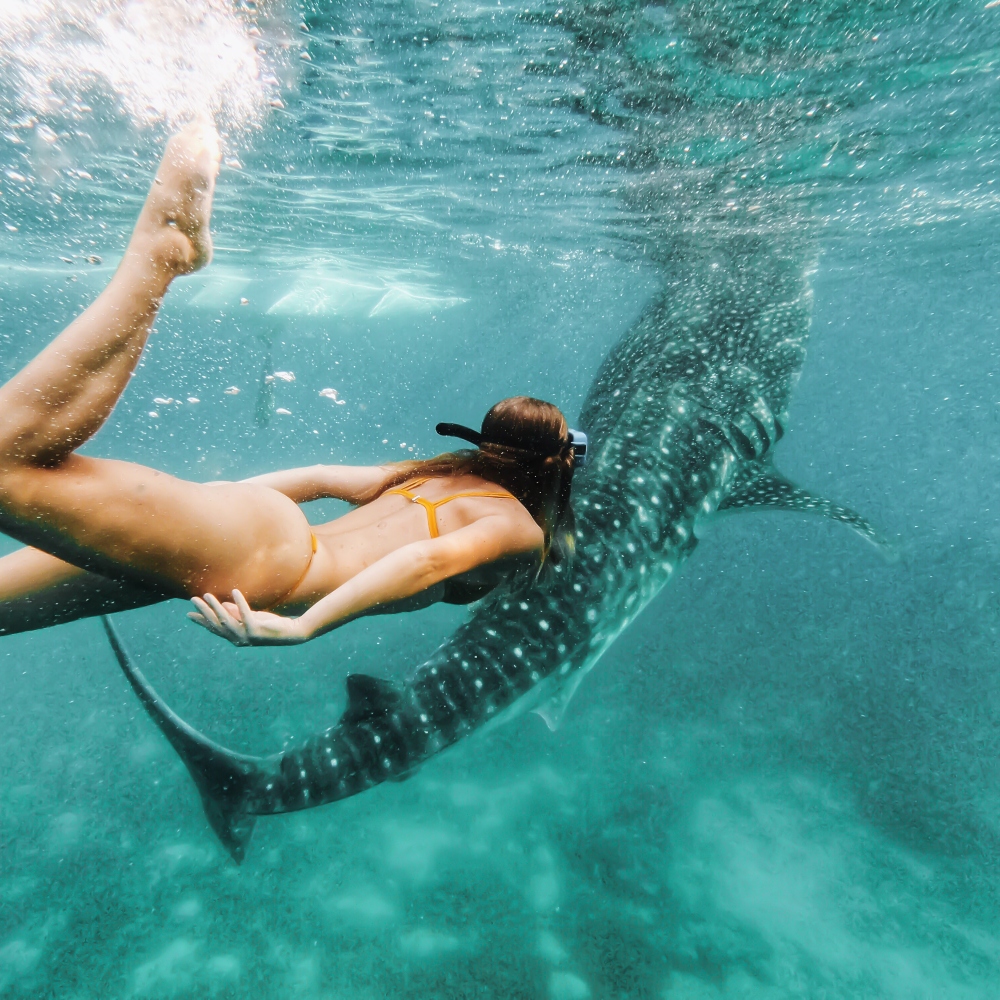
column 216, row 617
column 206, row 618
column 240, row 624
column 225, row 618
column 246, row 614
column 211, row 619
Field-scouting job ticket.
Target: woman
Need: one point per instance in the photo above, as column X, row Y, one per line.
column 106, row 535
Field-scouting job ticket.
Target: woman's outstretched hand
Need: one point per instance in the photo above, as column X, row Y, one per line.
column 243, row 626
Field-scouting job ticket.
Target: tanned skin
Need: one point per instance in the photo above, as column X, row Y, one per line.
column 103, row 535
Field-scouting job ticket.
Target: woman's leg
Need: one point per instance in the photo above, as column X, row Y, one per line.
column 62, row 397
column 126, row 522
column 38, row 590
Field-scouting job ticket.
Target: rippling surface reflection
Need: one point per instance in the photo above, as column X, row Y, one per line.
column 782, row 779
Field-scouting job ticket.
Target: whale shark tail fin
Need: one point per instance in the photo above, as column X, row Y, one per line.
column 223, row 778
column 760, row 485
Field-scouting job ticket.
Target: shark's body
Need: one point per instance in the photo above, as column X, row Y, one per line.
column 682, row 417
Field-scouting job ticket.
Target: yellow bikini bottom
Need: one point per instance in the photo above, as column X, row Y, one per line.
column 305, row 573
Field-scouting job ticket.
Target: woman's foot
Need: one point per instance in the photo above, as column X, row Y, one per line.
column 173, row 227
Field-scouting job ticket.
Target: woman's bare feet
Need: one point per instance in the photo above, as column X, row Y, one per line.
column 173, row 227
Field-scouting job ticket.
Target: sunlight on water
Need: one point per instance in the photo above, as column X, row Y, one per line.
column 161, row 60
column 781, row 778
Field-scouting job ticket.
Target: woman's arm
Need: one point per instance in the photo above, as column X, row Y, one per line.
column 316, row 482
column 418, row 566
column 409, row 570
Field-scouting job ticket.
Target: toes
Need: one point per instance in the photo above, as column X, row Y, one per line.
column 198, row 143
column 174, row 229
column 185, row 187
column 201, row 146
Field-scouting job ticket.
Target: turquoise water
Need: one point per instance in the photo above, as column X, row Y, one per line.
column 781, row 780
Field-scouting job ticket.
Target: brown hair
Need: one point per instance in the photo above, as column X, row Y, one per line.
column 525, row 449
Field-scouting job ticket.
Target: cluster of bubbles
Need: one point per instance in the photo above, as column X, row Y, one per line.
column 157, row 61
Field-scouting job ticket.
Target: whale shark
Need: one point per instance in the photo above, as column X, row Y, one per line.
column 683, row 417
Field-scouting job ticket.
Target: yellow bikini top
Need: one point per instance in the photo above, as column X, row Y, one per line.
column 431, row 506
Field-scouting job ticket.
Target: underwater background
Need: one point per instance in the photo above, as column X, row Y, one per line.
column 782, row 780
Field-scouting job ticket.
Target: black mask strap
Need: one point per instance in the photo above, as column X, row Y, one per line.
column 458, row 431
column 577, row 441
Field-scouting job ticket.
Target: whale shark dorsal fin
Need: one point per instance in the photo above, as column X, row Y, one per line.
column 553, row 710
column 368, row 696
column 220, row 775
column 761, row 485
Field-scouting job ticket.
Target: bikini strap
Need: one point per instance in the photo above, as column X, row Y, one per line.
column 430, row 509
column 403, row 490
column 431, row 506
column 478, row 493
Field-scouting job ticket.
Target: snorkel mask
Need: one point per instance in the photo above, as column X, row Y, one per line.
column 577, row 440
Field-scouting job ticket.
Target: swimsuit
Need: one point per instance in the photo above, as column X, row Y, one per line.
column 315, row 545
column 431, row 506
column 455, row 591
column 462, row 593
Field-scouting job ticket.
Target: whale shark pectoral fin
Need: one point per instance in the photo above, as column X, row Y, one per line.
column 553, row 709
column 761, row 486
column 368, row 696
column 223, row 778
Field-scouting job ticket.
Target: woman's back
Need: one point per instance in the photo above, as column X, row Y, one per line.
column 414, row 511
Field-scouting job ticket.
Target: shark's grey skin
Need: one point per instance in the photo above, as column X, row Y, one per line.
column 683, row 416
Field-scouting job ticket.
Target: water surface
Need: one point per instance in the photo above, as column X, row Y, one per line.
column 782, row 779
